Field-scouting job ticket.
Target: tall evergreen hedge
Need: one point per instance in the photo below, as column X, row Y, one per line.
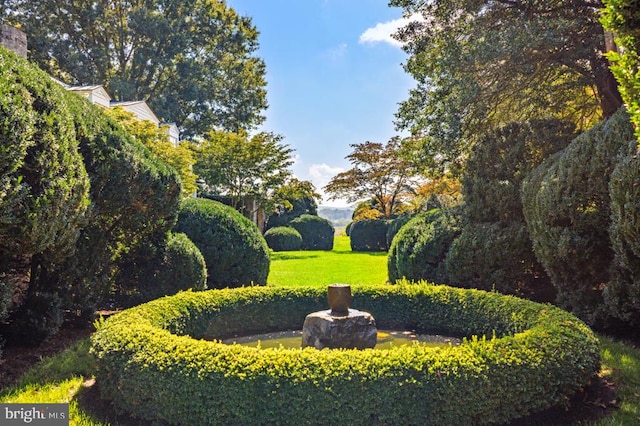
column 567, row 209
column 44, row 193
column 234, row 250
column 369, row 235
column 494, row 249
column 622, row 294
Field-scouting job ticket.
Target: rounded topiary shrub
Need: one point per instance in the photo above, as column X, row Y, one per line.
column 153, row 363
column 159, row 268
column 234, row 250
column 622, row 294
column 369, row 235
column 347, row 229
column 283, row 238
column 317, row 233
column 395, row 225
column 498, row 256
column 419, row 249
column 566, row 204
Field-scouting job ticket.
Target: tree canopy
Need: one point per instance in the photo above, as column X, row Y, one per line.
column 191, row 60
column 236, row 165
column 480, row 64
column 381, row 172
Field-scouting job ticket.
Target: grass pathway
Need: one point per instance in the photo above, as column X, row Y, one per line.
column 321, row 268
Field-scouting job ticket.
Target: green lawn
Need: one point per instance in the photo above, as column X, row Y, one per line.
column 320, row 268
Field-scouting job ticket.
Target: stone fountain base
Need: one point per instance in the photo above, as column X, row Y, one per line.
column 324, row 329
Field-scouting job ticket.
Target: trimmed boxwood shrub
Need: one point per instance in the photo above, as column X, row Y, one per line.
column 498, row 256
column 155, row 269
column 395, row 225
column 566, row 204
column 526, row 357
column 317, row 232
column 369, row 235
column 419, row 249
column 283, row 238
column 234, row 250
column 622, row 294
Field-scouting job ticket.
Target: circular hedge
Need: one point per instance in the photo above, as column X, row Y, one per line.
column 234, row 250
column 154, row 363
column 283, row 238
column 369, row 235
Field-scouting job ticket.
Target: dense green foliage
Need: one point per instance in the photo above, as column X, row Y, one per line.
column 527, row 357
column 54, row 141
column 494, row 250
column 622, row 17
column 567, row 209
column 498, row 256
column 419, row 249
column 283, row 238
column 191, row 60
column 153, row 269
column 234, row 250
column 244, row 168
column 293, row 199
column 369, row 235
column 480, row 64
column 317, row 232
column 395, row 225
column 44, row 187
column 622, row 294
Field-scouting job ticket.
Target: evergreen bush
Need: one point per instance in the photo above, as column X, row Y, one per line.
column 369, row 235
column 153, row 269
column 234, row 250
column 419, row 249
column 566, row 205
column 498, row 256
column 283, row 238
column 622, row 294
column 519, row 357
column 317, row 233
column 395, row 225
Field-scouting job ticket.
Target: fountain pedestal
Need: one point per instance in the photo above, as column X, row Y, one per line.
column 339, row 327
column 356, row 330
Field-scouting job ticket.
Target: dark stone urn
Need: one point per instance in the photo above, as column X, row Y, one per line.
column 340, row 326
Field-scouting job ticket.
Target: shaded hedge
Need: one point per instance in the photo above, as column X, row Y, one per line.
column 493, row 251
column 369, row 235
column 153, row 269
column 622, row 294
column 317, row 232
column 234, row 250
column 419, row 249
column 283, row 238
column 567, row 210
column 151, row 364
column 498, row 256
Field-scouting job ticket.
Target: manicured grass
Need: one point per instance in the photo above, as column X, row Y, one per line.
column 319, row 268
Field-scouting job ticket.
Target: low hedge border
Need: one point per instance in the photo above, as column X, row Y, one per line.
column 153, row 363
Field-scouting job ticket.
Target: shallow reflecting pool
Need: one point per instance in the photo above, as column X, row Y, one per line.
column 386, row 339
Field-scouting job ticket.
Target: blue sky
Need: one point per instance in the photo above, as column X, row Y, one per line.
column 334, row 77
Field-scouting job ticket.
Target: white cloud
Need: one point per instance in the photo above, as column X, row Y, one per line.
column 320, row 175
column 336, row 53
column 382, row 31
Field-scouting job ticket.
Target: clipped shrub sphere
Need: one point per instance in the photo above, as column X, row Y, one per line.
column 153, row 363
column 233, row 248
column 419, row 249
column 317, row 233
column 369, row 235
column 283, row 238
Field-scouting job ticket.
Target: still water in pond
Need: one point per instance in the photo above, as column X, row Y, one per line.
column 386, row 339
